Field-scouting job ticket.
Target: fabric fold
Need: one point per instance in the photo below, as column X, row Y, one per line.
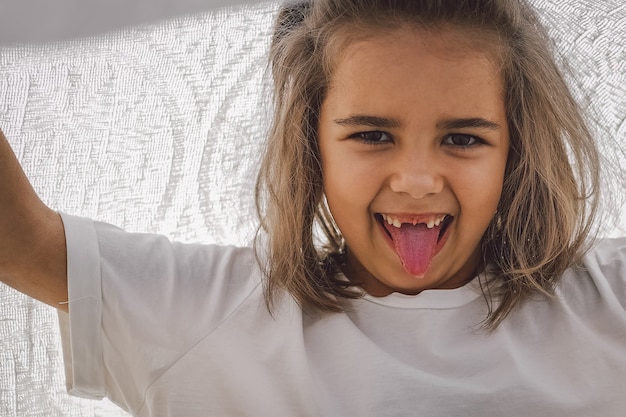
column 85, row 311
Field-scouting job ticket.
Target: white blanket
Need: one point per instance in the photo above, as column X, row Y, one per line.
column 157, row 127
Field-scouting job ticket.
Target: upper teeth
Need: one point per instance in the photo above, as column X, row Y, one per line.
column 430, row 223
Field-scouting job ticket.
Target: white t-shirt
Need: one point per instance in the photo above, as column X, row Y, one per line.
column 166, row 329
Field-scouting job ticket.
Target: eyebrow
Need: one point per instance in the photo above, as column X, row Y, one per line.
column 372, row 121
column 472, row 122
column 445, row 124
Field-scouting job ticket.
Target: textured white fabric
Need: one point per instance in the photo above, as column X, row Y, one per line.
column 182, row 330
column 157, row 128
column 44, row 20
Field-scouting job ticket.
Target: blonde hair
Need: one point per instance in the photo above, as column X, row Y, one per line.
column 550, row 189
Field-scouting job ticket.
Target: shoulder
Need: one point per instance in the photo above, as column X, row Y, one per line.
column 141, row 252
column 601, row 277
column 132, row 273
column 609, row 253
column 607, row 260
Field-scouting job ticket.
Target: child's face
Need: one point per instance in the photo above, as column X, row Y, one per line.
column 413, row 129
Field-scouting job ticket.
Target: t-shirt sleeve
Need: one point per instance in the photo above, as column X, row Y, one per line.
column 138, row 302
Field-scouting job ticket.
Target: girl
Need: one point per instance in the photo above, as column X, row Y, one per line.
column 439, row 151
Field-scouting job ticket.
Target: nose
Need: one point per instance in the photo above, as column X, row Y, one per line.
column 416, row 174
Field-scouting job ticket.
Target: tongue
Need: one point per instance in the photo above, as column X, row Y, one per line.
column 415, row 245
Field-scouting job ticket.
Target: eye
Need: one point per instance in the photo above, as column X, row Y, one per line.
column 374, row 137
column 460, row 140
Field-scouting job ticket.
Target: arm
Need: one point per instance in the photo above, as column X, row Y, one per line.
column 32, row 239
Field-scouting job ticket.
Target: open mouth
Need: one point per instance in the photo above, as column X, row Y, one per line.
column 416, row 239
column 387, row 222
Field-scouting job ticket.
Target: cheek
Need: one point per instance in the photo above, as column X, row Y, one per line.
column 345, row 176
column 478, row 191
column 349, row 192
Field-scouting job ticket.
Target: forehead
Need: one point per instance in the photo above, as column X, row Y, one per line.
column 443, row 40
column 408, row 67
